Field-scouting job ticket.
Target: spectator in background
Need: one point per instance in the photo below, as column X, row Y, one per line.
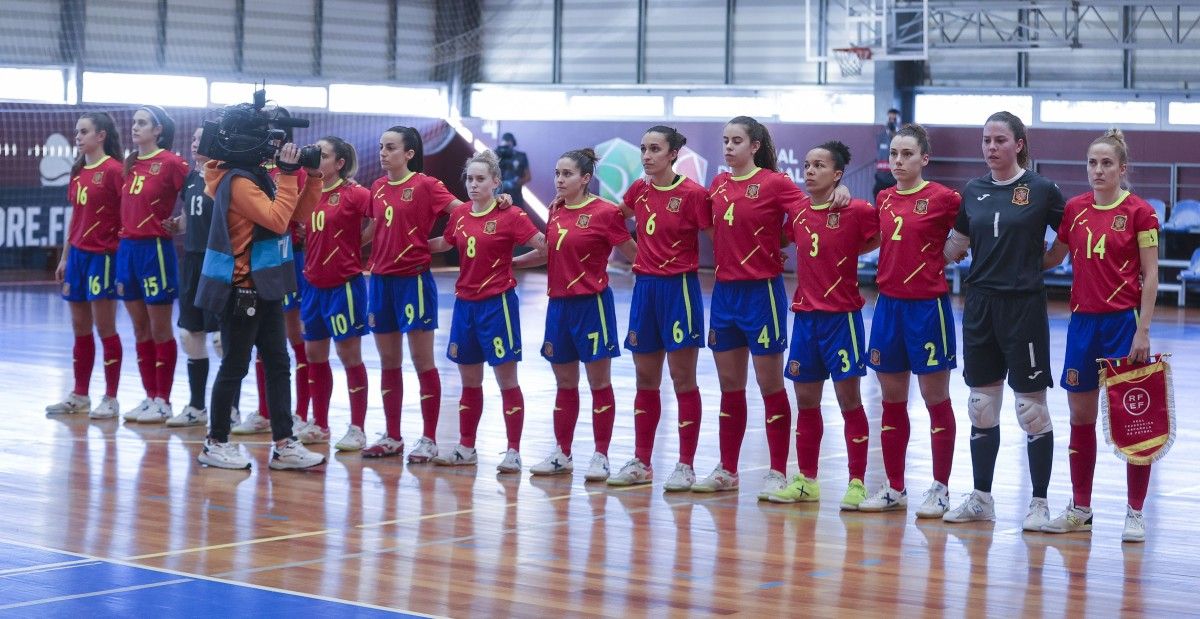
column 514, row 169
column 883, row 170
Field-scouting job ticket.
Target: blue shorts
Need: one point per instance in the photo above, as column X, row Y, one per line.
column 749, row 313
column 826, row 344
column 1091, row 337
column 667, row 312
column 88, row 276
column 582, row 328
column 402, row 303
column 336, row 312
column 291, row 302
column 147, row 271
column 486, row 330
column 912, row 335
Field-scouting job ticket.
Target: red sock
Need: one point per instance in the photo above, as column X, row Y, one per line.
column 302, row 394
column 112, row 364
column 779, row 428
column 566, row 414
column 430, row 384
column 356, row 383
column 320, row 378
column 647, row 410
column 857, row 434
column 513, row 402
column 1081, row 453
column 893, row 438
column 470, row 409
column 260, row 375
column 1138, row 478
column 83, row 358
column 391, row 384
column 810, row 427
column 689, row 425
column 145, row 360
column 165, row 354
column 941, row 439
column 731, row 428
column 604, row 413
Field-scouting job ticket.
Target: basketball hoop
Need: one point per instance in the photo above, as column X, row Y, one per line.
column 851, row 59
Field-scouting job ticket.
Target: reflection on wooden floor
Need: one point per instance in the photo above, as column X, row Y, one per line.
column 470, row 543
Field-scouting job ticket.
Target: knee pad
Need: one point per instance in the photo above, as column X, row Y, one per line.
column 983, row 407
column 1032, row 413
column 193, row 345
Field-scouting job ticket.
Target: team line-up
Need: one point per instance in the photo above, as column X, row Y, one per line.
column 120, row 248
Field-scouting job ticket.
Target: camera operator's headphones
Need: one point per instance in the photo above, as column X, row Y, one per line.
column 166, row 139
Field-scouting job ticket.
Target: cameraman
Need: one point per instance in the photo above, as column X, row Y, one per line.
column 247, row 272
column 514, row 169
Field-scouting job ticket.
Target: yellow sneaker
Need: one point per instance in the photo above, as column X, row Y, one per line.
column 800, row 490
column 856, row 493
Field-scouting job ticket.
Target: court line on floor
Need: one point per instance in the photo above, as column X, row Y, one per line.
column 249, row 542
column 90, row 594
column 46, row 567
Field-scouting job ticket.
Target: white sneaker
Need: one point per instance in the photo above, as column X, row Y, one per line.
column 222, row 455
column 773, row 482
column 293, row 455
column 72, row 404
column 108, row 408
column 354, row 440
column 511, row 462
column 190, row 416
column 886, row 499
column 557, row 463
column 681, row 478
column 598, row 468
column 719, row 480
column 1038, row 515
column 134, row 413
column 252, row 424
column 423, row 451
column 978, row 506
column 298, row 424
column 313, row 434
column 1070, row 520
column 937, row 501
column 459, row 456
column 1135, row 526
column 634, row 473
column 160, row 412
column 235, row 416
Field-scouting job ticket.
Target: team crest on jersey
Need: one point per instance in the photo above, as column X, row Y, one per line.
column 548, row 349
column 752, row 191
column 921, row 207
column 794, row 367
column 875, row 356
column 583, row 221
column 833, row 220
column 489, row 227
column 407, row 195
column 453, row 349
column 97, row 178
column 1119, row 223
column 1073, row 378
column 674, row 204
column 334, row 199
column 155, row 168
column 632, row 338
column 1021, row 195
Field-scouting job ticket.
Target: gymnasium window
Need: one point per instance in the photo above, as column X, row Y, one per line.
column 1098, row 112
column 937, row 109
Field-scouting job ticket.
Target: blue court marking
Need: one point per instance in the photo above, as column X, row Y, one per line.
column 39, row 582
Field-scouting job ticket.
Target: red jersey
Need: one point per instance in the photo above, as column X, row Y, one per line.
column 828, row 243
column 485, row 243
column 149, row 194
column 579, row 240
column 404, row 212
column 748, row 213
column 913, row 226
column 1104, row 243
column 334, row 243
column 95, row 195
column 668, row 222
column 296, row 228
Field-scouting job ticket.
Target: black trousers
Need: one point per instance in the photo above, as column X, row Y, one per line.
column 240, row 334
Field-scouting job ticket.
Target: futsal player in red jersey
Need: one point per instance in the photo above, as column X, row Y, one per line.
column 86, row 267
column 749, row 206
column 581, row 323
column 487, row 323
column 912, row 329
column 403, row 297
column 147, row 276
column 1112, row 236
column 827, row 336
column 666, row 317
column 333, row 305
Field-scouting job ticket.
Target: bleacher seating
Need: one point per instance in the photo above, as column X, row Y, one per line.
column 1190, row 275
column 1185, row 215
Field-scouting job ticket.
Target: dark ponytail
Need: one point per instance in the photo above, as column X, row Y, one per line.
column 766, row 157
column 345, row 151
column 1018, row 130
column 840, row 153
column 916, row 132
column 101, row 121
column 166, row 138
column 412, row 141
column 675, row 139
